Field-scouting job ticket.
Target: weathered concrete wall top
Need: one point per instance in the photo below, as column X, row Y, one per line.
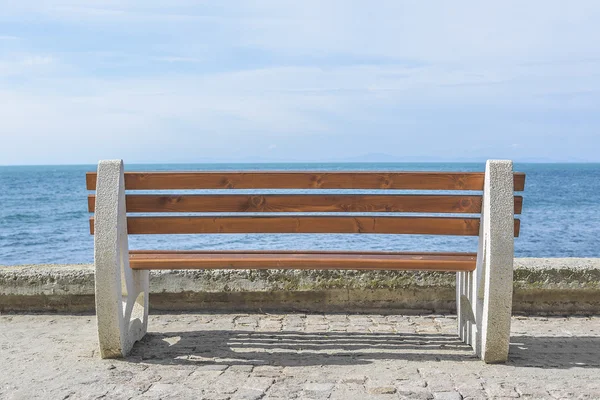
column 546, row 285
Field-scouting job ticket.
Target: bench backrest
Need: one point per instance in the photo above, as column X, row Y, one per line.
column 291, row 208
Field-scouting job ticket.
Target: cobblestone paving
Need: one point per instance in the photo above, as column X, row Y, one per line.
column 296, row 356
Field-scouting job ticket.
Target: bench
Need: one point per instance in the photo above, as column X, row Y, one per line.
column 484, row 279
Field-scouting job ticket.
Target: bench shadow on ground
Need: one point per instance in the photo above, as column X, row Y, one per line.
column 350, row 348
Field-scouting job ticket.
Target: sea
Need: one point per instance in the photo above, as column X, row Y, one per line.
column 44, row 217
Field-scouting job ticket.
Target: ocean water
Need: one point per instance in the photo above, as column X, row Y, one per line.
column 44, row 218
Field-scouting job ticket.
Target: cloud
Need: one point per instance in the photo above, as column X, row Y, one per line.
column 25, row 65
column 36, row 60
column 179, row 59
column 152, row 78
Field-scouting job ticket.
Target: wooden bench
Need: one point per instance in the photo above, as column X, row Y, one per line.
column 484, row 279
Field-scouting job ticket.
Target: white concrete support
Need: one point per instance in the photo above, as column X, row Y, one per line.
column 484, row 296
column 121, row 293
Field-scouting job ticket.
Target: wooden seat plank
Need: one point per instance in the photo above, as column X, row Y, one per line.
column 276, row 251
column 450, row 262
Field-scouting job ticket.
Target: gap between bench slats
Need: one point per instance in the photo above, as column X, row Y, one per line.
column 304, row 180
column 304, row 203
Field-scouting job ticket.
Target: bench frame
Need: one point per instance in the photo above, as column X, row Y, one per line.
column 483, row 296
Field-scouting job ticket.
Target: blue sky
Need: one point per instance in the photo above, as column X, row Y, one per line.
column 227, row 81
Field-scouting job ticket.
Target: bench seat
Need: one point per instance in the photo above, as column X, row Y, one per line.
column 314, row 260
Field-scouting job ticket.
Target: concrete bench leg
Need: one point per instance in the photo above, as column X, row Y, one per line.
column 484, row 296
column 121, row 293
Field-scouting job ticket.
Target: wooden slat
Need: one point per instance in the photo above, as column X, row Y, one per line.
column 304, row 180
column 305, row 224
column 312, row 260
column 302, row 224
column 518, row 204
column 90, row 180
column 300, row 203
column 304, row 203
column 519, row 181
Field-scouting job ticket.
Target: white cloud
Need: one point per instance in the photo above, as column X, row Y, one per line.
column 440, row 32
column 25, row 65
column 36, row 60
column 179, row 59
column 334, row 72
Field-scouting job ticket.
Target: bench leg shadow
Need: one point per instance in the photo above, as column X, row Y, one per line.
column 296, row 348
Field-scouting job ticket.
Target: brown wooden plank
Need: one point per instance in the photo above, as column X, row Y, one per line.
column 518, row 204
column 519, row 181
column 302, row 224
column 304, row 203
column 91, row 203
column 304, row 180
column 320, row 261
column 305, row 224
column 300, row 203
column 90, row 180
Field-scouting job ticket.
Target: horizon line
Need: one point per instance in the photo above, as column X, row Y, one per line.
column 299, row 162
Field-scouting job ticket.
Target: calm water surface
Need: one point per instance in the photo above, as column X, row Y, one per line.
column 44, row 218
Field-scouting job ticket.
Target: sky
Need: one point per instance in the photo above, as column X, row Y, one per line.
column 311, row 80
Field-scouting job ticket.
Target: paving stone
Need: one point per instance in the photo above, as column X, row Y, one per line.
column 289, row 388
column 248, row 394
column 267, row 371
column 447, row 396
column 473, row 394
column 408, row 385
column 381, row 389
column 228, row 382
column 417, row 394
column 241, row 368
column 229, row 356
column 439, row 382
column 258, row 383
column 165, row 391
column 505, row 390
column 360, row 379
column 349, row 391
column 317, row 390
column 212, row 367
column 215, row 396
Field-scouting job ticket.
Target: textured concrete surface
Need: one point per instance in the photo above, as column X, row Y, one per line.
column 541, row 285
column 497, row 253
column 121, row 294
column 484, row 296
column 297, row 356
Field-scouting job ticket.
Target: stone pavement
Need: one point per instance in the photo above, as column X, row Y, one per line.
column 296, row 356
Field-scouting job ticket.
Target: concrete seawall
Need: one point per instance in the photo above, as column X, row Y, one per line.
column 542, row 286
